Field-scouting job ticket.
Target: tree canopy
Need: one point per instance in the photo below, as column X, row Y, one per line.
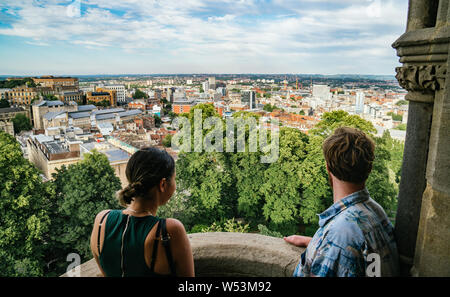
column 82, row 189
column 138, row 94
column 25, row 219
column 21, row 123
column 284, row 195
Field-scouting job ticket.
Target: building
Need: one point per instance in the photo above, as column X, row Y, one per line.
column 248, row 98
column 120, row 92
column 212, row 83
column 77, row 97
column 102, row 95
column 205, row 86
column 138, row 104
column 322, row 92
column 7, row 127
column 6, row 117
column 182, row 105
column 222, row 91
column 4, row 93
column 156, row 110
column 58, row 83
column 157, row 93
column 148, row 122
column 54, row 119
column 359, row 103
column 22, row 95
column 49, row 153
column 40, row 108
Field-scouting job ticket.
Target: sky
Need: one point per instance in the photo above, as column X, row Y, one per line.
column 70, row 37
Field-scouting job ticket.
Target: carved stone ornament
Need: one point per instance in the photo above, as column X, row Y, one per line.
column 429, row 78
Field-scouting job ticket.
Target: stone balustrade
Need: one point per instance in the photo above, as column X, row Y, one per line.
column 233, row 254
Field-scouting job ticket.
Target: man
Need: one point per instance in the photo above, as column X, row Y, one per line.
column 355, row 237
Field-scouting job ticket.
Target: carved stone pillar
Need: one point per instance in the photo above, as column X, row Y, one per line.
column 423, row 242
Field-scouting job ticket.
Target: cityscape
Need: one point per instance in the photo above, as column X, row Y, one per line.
column 118, row 115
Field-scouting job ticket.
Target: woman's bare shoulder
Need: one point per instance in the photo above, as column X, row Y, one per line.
column 100, row 215
column 175, row 227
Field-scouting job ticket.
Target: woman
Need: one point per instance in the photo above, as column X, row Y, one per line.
column 133, row 241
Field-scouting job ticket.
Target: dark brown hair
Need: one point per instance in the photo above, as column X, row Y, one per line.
column 145, row 169
column 349, row 154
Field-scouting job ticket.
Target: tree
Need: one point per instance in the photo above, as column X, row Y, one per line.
column 50, row 97
column 21, row 123
column 4, row 103
column 317, row 194
column 381, row 187
column 167, row 141
column 402, row 102
column 138, row 94
column 282, row 188
column 158, row 120
column 83, row 190
column 25, row 204
column 269, row 107
column 332, row 120
column 401, row 127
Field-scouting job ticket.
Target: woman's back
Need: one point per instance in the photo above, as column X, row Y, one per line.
column 123, row 251
column 134, row 256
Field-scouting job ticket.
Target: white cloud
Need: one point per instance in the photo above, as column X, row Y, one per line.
column 189, row 28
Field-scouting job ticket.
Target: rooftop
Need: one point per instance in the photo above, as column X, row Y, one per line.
column 11, row 109
column 49, row 103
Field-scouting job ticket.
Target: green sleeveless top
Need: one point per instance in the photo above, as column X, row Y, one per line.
column 127, row 260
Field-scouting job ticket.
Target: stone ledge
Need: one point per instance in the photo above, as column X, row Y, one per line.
column 233, row 254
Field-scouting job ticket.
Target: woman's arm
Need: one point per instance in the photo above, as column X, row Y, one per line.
column 181, row 248
column 94, row 238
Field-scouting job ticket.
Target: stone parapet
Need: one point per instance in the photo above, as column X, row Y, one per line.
column 233, row 254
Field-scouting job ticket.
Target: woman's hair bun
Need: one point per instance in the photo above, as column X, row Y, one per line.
column 132, row 190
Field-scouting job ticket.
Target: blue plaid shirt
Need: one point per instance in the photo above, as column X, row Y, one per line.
column 350, row 231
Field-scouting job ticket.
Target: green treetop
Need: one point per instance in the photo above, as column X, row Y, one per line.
column 25, row 220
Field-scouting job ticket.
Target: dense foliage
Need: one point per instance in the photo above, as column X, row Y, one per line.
column 4, row 103
column 25, row 203
column 10, row 84
column 138, row 94
column 82, row 190
column 284, row 196
column 21, row 123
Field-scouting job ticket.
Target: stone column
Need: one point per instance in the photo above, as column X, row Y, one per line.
column 422, row 224
column 432, row 257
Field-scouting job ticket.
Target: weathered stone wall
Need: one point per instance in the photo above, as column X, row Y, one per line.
column 423, row 216
column 233, row 254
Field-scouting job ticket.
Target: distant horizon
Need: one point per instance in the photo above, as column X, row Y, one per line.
column 190, row 74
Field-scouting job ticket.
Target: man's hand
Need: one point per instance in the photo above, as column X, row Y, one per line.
column 298, row 240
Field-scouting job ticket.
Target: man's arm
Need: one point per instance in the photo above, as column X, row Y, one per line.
column 298, row 240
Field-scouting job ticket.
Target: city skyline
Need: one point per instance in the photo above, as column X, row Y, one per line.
column 200, row 36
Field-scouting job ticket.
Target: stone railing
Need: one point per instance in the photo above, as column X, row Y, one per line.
column 233, row 254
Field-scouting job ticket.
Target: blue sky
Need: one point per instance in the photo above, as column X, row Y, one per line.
column 40, row 37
